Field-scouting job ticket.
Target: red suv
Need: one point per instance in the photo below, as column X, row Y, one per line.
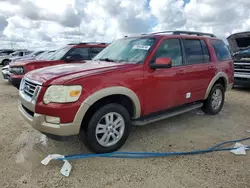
column 69, row 54
column 134, row 81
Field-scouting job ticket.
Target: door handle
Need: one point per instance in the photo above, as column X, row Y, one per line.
column 180, row 72
column 212, row 66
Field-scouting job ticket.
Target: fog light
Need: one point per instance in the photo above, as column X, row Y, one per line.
column 51, row 119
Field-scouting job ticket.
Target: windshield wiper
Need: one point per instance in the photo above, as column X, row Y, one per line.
column 107, row 59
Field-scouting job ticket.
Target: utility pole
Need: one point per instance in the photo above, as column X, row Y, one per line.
column 11, row 44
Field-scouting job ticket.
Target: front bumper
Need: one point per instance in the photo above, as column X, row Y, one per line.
column 242, row 79
column 15, row 80
column 5, row 74
column 38, row 121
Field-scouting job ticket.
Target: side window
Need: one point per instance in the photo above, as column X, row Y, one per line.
column 170, row 48
column 206, row 54
column 221, row 49
column 80, row 53
column 193, row 50
column 94, row 51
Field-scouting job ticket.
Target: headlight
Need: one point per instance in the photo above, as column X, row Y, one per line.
column 17, row 70
column 62, row 94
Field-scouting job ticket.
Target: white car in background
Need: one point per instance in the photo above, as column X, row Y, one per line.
column 5, row 59
column 32, row 55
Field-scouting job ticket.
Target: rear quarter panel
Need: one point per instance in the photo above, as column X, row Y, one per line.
column 226, row 66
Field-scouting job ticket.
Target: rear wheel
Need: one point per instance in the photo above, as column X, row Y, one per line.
column 108, row 129
column 215, row 101
column 5, row 62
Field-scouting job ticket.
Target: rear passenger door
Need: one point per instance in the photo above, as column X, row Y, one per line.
column 199, row 69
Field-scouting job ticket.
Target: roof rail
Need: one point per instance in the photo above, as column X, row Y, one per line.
column 187, row 33
column 93, row 43
column 88, row 43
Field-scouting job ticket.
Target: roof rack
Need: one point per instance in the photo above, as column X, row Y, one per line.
column 187, row 33
column 88, row 43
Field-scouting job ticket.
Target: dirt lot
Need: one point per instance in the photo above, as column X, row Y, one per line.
column 22, row 149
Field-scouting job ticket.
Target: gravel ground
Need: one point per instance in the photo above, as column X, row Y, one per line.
column 22, row 148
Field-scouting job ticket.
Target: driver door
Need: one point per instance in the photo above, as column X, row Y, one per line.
column 165, row 86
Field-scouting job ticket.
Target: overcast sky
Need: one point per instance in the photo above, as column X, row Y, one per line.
column 53, row 23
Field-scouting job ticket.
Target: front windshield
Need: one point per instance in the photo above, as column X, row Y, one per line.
column 45, row 55
column 15, row 54
column 132, row 50
column 58, row 54
column 41, row 55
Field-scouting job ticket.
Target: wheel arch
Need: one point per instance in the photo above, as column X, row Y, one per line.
column 5, row 59
column 219, row 77
column 104, row 93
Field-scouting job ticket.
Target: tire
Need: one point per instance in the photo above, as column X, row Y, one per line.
column 5, row 62
column 93, row 140
column 208, row 106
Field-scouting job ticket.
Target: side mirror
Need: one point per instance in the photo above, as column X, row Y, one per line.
column 161, row 62
column 75, row 57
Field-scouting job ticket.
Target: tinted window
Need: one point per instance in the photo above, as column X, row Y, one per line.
column 170, row 48
column 193, row 51
column 221, row 50
column 94, row 51
column 205, row 51
column 83, row 52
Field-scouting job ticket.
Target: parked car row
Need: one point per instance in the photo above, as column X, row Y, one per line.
column 17, row 68
column 32, row 55
column 7, row 55
column 98, row 91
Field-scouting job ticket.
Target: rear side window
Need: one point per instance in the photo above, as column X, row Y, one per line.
column 221, row 50
column 206, row 54
column 193, row 51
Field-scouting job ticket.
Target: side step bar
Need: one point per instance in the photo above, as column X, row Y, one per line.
column 167, row 114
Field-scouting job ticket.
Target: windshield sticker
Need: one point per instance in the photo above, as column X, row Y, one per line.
column 141, row 47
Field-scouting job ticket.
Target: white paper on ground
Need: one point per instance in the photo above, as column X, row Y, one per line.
column 248, row 131
column 66, row 168
column 241, row 149
column 50, row 157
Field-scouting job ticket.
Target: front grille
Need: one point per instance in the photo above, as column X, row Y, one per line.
column 242, row 67
column 30, row 88
column 242, row 79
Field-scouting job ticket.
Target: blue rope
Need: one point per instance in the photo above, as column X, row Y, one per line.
column 140, row 155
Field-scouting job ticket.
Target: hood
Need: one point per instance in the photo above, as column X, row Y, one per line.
column 26, row 62
column 239, row 42
column 15, row 58
column 50, row 74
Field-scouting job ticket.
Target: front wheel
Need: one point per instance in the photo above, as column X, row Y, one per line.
column 215, row 101
column 108, row 129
